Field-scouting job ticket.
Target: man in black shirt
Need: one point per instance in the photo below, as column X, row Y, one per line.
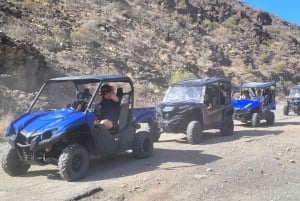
column 110, row 107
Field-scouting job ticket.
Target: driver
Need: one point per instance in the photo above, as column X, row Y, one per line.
column 110, row 107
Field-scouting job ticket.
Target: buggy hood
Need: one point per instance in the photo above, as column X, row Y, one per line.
column 56, row 121
column 245, row 104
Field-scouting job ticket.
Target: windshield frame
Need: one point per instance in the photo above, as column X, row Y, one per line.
column 182, row 93
column 294, row 93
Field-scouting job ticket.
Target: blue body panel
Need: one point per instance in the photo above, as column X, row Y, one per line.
column 245, row 104
column 58, row 121
column 143, row 113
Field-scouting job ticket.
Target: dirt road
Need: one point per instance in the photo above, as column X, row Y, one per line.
column 256, row 164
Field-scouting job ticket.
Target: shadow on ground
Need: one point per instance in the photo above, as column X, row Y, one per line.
column 125, row 165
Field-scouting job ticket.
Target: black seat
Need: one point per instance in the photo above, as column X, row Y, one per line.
column 124, row 111
column 123, row 117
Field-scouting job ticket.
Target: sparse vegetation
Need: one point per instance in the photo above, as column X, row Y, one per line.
column 231, row 23
column 181, row 75
column 4, row 121
column 148, row 41
column 279, row 65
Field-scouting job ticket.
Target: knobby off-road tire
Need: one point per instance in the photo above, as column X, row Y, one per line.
column 12, row 164
column 228, row 127
column 73, row 162
column 255, row 120
column 142, row 145
column 271, row 118
column 286, row 110
column 155, row 132
column 153, row 129
column 194, row 132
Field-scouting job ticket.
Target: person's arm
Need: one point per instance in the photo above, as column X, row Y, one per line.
column 209, row 106
column 113, row 96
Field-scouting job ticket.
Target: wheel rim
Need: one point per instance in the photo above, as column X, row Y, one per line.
column 147, row 145
column 77, row 163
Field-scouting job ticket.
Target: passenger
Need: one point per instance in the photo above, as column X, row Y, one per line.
column 245, row 95
column 261, row 99
column 259, row 96
column 110, row 107
column 80, row 103
column 223, row 94
column 208, row 100
column 87, row 94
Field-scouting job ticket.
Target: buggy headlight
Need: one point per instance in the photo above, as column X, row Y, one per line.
column 49, row 134
column 183, row 107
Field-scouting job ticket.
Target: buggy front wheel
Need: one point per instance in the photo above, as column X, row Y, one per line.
column 255, row 120
column 286, row 110
column 194, row 132
column 12, row 164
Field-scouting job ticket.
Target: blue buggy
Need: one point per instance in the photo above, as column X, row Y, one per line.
column 53, row 131
column 256, row 105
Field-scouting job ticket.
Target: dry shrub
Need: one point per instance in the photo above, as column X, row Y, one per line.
column 38, row 3
column 181, row 75
column 5, row 119
column 80, row 33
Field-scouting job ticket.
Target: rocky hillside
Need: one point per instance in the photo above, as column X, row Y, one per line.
column 146, row 40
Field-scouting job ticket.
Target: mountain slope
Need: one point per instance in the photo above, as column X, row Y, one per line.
column 147, row 40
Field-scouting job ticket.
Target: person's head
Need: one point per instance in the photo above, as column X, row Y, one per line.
column 87, row 94
column 86, row 91
column 259, row 92
column 245, row 94
column 105, row 89
column 80, row 96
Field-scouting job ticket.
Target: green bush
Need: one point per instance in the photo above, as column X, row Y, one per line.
column 181, row 75
column 279, row 65
column 231, row 23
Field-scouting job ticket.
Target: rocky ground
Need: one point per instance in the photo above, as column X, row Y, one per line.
column 256, row 164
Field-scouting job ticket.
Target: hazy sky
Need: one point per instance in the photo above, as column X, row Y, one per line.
column 288, row 10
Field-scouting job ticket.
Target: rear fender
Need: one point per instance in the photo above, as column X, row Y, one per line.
column 144, row 115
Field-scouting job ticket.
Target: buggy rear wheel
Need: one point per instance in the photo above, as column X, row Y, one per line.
column 12, row 164
column 271, row 118
column 73, row 162
column 255, row 120
column 227, row 127
column 286, row 110
column 194, row 132
column 155, row 131
column 142, row 145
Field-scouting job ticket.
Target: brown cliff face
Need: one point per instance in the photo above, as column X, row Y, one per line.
column 146, row 40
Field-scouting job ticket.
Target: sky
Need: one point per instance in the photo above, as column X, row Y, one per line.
column 287, row 10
